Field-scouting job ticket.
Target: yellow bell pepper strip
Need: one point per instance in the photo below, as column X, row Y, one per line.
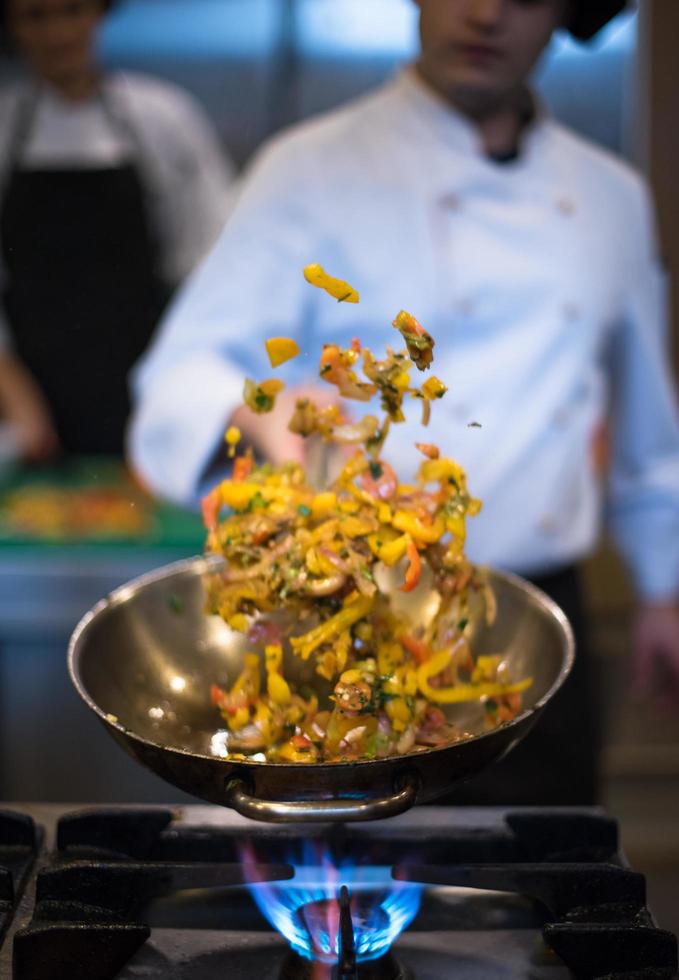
column 420, row 344
column 278, row 689
column 232, row 438
column 387, row 545
column 337, row 288
column 239, row 623
column 414, row 570
column 433, row 388
column 261, row 398
column 443, row 470
column 305, row 645
column 238, row 719
column 298, row 749
column 410, row 524
column 398, row 710
column 249, row 679
column 486, row 668
column 281, row 349
column 238, row 495
column 323, row 504
column 273, row 657
column 460, row 692
column 356, row 527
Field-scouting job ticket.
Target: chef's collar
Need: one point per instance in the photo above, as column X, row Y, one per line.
column 456, row 129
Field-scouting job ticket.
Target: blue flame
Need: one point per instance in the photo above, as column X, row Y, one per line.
column 305, row 909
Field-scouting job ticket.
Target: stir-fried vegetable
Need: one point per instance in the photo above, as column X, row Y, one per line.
column 419, row 343
column 261, row 397
column 337, row 288
column 281, row 349
column 316, row 559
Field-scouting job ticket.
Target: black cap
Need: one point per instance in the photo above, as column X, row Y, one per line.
column 587, row 17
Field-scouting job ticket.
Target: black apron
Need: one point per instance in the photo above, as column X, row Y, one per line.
column 83, row 291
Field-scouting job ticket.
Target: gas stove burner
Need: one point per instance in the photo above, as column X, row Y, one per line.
column 386, row 968
column 307, row 908
column 130, row 892
column 340, row 916
column 321, row 921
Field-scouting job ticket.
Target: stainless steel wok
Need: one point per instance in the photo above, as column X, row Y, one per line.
column 144, row 659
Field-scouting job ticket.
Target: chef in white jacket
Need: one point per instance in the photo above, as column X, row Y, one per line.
column 530, row 256
column 112, row 187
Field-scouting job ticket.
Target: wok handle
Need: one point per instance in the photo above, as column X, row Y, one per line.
column 321, row 811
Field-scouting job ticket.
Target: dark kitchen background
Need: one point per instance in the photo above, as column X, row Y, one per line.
column 256, row 66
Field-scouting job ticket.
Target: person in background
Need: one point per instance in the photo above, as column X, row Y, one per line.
column 112, row 186
column 529, row 255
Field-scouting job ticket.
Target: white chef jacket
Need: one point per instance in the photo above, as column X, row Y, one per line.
column 538, row 280
column 186, row 175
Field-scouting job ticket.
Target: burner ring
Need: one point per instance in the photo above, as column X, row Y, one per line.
column 320, row 920
column 385, row 968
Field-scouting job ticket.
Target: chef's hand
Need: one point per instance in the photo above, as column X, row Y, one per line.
column 37, row 437
column 655, row 665
column 24, row 407
column 269, row 434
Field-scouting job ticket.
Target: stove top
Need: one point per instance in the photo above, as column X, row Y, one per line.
column 132, row 893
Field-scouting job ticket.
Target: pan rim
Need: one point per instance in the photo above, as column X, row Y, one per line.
column 123, row 592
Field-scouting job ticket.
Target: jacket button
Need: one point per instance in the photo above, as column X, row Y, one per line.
column 565, row 206
column 451, row 201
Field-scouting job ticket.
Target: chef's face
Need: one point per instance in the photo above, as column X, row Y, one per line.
column 56, row 36
column 482, row 50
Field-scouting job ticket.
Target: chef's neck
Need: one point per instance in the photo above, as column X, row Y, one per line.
column 499, row 119
column 77, row 86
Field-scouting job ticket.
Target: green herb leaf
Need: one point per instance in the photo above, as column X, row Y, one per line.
column 176, row 603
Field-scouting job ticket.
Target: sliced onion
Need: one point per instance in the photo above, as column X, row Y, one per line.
column 327, row 585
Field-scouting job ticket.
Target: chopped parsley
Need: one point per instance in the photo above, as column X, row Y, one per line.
column 176, row 603
column 257, row 501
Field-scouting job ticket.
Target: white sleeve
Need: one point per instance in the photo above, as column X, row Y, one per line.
column 200, row 189
column 644, row 511
column 250, row 287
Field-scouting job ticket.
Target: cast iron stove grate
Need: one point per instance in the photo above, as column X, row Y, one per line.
column 91, row 898
column 20, row 840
